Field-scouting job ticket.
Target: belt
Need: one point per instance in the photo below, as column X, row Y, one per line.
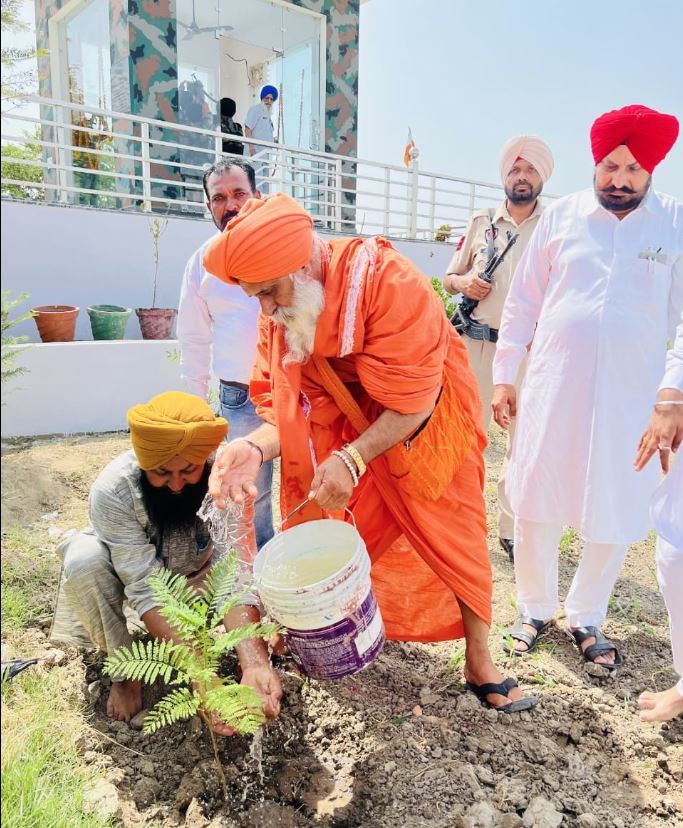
column 241, row 385
column 481, row 332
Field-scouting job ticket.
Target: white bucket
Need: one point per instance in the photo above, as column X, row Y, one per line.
column 314, row 579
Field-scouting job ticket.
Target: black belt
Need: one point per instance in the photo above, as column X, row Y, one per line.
column 481, row 332
column 241, row 385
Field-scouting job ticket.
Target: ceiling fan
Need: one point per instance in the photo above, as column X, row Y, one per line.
column 193, row 29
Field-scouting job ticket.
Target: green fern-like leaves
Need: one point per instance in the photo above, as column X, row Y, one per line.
column 229, row 640
column 237, row 705
column 146, row 662
column 180, row 604
column 179, row 704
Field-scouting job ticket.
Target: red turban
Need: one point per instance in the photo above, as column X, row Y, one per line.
column 648, row 134
column 270, row 238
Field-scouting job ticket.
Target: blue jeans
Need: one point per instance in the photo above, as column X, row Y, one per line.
column 240, row 413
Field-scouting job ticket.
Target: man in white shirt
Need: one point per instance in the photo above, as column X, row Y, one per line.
column 664, row 434
column 217, row 326
column 599, row 290
column 259, row 124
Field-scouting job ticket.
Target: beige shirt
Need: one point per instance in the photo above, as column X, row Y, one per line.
column 473, row 253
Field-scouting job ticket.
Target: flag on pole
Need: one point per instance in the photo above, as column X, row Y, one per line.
column 409, row 146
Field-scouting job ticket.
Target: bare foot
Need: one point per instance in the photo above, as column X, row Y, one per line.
column 125, row 700
column 486, row 673
column 660, row 707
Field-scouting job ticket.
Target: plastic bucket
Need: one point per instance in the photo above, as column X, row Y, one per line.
column 314, row 579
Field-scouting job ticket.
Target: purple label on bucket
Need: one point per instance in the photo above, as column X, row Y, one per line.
column 342, row 648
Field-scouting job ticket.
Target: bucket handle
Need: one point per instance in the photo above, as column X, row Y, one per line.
column 301, row 506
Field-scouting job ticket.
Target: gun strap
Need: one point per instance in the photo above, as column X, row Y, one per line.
column 492, row 236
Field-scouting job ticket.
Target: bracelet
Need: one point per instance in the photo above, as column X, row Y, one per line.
column 253, row 445
column 668, row 402
column 355, row 455
column 349, row 465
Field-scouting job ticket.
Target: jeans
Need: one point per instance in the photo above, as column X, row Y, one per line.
column 240, row 413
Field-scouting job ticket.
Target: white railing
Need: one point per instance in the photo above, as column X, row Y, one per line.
column 79, row 155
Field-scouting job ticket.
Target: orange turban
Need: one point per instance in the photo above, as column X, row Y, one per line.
column 174, row 424
column 270, row 238
column 648, row 134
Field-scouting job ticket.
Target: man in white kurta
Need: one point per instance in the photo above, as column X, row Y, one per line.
column 667, row 515
column 598, row 292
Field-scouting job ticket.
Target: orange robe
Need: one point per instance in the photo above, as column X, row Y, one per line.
column 384, row 331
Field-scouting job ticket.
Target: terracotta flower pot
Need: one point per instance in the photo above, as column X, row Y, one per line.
column 156, row 323
column 56, row 323
column 108, row 321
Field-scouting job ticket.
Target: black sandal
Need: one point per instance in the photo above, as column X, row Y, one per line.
column 520, row 634
column 602, row 645
column 481, row 691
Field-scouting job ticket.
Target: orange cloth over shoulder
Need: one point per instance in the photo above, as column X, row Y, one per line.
column 385, row 334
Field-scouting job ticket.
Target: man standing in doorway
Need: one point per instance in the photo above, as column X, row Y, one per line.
column 600, row 291
column 526, row 163
column 259, row 124
column 217, row 326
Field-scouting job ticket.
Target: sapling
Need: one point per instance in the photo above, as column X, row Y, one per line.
column 194, row 661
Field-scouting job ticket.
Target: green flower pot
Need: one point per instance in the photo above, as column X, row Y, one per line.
column 108, row 321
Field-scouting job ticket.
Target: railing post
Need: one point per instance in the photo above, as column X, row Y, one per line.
column 339, row 196
column 218, row 147
column 432, row 209
column 146, row 169
column 62, row 179
column 472, row 195
column 415, row 183
column 386, row 224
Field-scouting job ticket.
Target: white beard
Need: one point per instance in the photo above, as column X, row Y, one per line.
column 300, row 319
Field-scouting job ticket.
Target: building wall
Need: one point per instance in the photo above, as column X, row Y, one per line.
column 144, row 32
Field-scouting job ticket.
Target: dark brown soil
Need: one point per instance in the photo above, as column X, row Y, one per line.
column 402, row 743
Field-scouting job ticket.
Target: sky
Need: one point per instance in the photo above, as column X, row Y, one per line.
column 466, row 75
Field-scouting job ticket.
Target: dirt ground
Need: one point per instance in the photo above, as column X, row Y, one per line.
column 401, row 743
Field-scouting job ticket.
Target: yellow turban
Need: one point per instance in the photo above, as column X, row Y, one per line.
column 174, row 424
column 531, row 149
column 270, row 238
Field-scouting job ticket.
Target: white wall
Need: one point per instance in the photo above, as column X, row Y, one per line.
column 73, row 387
column 80, row 256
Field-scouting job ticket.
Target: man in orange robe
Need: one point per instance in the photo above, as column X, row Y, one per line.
column 357, row 367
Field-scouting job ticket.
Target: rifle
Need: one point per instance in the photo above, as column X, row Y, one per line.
column 461, row 318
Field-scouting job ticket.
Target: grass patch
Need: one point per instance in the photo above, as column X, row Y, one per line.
column 29, row 576
column 42, row 773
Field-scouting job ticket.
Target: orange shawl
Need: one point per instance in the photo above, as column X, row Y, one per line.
column 385, row 334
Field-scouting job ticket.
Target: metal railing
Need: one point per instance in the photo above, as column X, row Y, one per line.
column 79, row 155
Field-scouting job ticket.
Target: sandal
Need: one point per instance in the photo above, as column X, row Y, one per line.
column 520, row 634
column 602, row 645
column 481, row 691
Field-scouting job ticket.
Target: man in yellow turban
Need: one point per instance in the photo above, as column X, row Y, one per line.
column 525, row 164
column 143, row 513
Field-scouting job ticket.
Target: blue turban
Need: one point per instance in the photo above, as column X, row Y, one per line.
column 269, row 90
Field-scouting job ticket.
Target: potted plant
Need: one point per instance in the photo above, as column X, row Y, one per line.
column 108, row 321
column 55, row 323
column 156, row 323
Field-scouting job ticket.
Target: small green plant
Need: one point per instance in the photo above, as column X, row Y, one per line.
column 443, row 233
column 456, row 660
column 568, row 537
column 9, row 342
column 157, row 226
column 449, row 302
column 194, row 663
column 542, row 679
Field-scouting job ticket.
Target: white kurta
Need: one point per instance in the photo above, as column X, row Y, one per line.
column 600, row 317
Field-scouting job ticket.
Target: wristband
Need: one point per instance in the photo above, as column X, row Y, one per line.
column 349, row 465
column 668, row 402
column 253, row 445
column 355, row 455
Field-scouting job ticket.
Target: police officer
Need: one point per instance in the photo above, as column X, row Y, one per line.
column 526, row 163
